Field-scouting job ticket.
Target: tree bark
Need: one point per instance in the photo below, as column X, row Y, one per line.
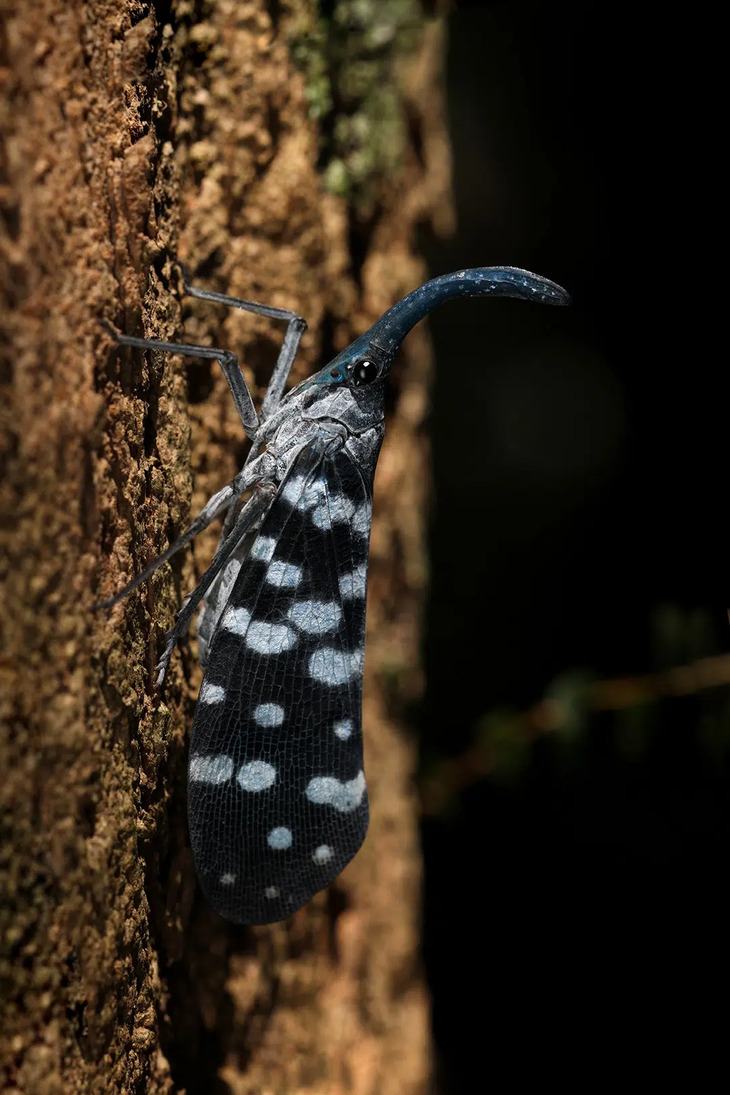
column 286, row 157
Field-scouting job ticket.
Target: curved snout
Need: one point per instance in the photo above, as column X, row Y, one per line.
column 480, row 281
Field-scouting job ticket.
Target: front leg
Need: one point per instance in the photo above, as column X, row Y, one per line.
column 227, row 361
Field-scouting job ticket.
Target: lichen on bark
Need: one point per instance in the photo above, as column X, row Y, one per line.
column 355, row 59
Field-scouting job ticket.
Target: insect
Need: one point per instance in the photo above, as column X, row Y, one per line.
column 277, row 800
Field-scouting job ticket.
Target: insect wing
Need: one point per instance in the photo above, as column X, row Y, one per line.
column 277, row 797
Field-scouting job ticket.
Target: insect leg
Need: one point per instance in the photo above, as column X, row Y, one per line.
column 227, row 361
column 216, row 505
column 296, row 326
column 248, row 519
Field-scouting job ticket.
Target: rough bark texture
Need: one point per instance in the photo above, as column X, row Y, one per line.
column 286, row 156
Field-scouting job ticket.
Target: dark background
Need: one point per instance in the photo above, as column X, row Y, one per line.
column 576, row 897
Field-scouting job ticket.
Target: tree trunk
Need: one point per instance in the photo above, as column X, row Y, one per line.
column 286, row 156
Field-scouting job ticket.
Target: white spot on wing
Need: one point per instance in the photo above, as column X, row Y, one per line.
column 343, row 729
column 257, row 775
column 227, row 879
column 280, row 838
column 271, row 892
column 321, row 515
column 315, row 617
column 269, row 714
column 337, row 509
column 211, row 693
column 313, row 496
column 322, row 854
column 343, row 508
column 215, row 768
column 334, row 667
column 236, row 620
column 361, row 519
column 292, row 489
column 329, row 791
column 354, row 582
column 263, row 548
column 267, row 638
column 283, row 575
column 291, row 492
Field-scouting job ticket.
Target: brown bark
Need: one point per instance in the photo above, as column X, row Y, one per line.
column 133, row 136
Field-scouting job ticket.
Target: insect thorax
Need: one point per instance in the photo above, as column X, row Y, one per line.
column 333, row 421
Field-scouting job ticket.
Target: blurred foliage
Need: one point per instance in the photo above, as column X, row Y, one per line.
column 680, row 636
column 352, row 53
column 629, row 711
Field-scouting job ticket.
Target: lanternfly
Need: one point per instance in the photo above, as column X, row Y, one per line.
column 277, row 799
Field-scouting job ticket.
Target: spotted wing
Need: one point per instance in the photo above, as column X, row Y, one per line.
column 277, row 796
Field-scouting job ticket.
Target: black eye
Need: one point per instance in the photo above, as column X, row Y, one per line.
column 365, row 372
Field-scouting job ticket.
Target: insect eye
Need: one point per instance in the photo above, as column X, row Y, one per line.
column 365, row 372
